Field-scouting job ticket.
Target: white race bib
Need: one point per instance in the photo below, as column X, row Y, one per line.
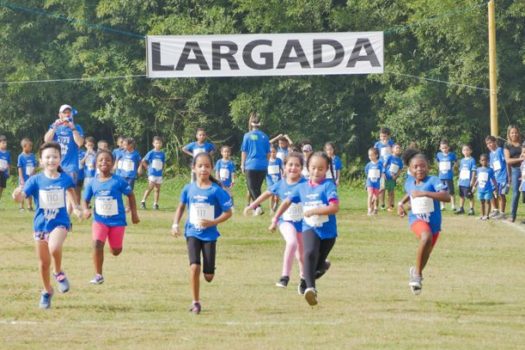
column 157, row 164
column 422, row 205
column 197, row 151
column 483, row 177
column 224, row 174
column 293, row 213
column 444, row 166
column 106, row 206
column 128, row 165
column 51, row 199
column 201, row 211
column 464, row 174
column 496, row 165
column 394, row 168
column 3, row 164
column 273, row 169
column 314, row 220
column 385, row 151
column 29, row 170
column 373, row 174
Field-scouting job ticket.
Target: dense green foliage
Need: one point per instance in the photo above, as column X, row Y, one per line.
column 445, row 40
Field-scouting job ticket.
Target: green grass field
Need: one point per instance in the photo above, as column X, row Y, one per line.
column 473, row 295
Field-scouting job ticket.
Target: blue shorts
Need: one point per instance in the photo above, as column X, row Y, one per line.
column 485, row 195
column 503, row 188
column 74, row 176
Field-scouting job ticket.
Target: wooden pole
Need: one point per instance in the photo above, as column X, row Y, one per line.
column 494, row 129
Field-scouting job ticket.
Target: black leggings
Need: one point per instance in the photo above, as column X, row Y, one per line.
column 254, row 180
column 316, row 251
column 208, row 249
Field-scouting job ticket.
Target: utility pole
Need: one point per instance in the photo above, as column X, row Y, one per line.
column 493, row 78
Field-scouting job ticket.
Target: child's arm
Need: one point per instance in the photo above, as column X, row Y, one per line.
column 290, row 142
column 442, row 196
column 18, row 194
column 142, row 166
column 185, row 150
column 76, row 207
column 401, row 205
column 243, row 160
column 175, row 231
column 133, row 208
column 276, row 138
column 233, row 180
column 221, row 218
column 331, row 208
column 86, row 212
column 21, row 176
column 264, row 196
column 280, row 211
column 337, row 173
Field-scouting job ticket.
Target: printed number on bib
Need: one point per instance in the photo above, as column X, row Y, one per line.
column 199, row 212
column 373, row 174
column 444, row 166
column 314, row 220
column 106, row 206
column 197, row 151
column 127, row 165
column 464, row 174
column 224, row 174
column 394, row 168
column 29, row 170
column 385, row 151
column 51, row 199
column 496, row 165
column 3, row 164
column 422, row 205
column 273, row 169
column 156, row 164
column 293, row 213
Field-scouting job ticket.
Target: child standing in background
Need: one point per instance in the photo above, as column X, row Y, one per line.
column 194, row 148
column 467, row 178
column 446, row 161
column 486, row 184
column 337, row 165
column 374, row 173
column 284, row 144
column 26, row 168
column 307, row 152
column 154, row 161
column 393, row 167
column 102, row 145
column 128, row 163
column 499, row 165
column 89, row 161
column 384, row 148
column 225, row 170
column 5, row 163
column 275, row 172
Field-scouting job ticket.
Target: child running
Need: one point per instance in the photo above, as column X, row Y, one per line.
column 208, row 205
column 486, row 184
column 425, row 193
column 499, row 165
column 337, row 165
column 225, row 170
column 26, row 168
column 154, row 161
column 5, row 163
column 393, row 167
column 274, row 175
column 51, row 222
column 467, row 178
column 109, row 221
column 127, row 163
column 290, row 223
column 374, row 173
column 446, row 161
column 89, row 161
column 320, row 202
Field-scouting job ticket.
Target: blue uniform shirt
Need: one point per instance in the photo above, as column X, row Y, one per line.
column 384, row 149
column 90, row 165
column 393, row 166
column 467, row 169
column 5, row 162
column 425, row 208
column 275, row 168
column 256, row 145
column 109, row 207
column 373, row 172
column 196, row 148
column 128, row 164
column 337, row 165
column 499, row 165
column 204, row 203
column 27, row 162
column 50, row 201
column 225, row 168
column 81, row 172
column 294, row 214
column 446, row 165
column 68, row 147
column 485, row 179
column 156, row 161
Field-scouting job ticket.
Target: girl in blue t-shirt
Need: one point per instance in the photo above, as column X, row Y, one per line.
column 208, row 205
column 425, row 194
column 374, row 172
column 109, row 219
column 51, row 222
column 274, row 175
column 26, row 167
column 334, row 172
column 320, row 203
column 290, row 224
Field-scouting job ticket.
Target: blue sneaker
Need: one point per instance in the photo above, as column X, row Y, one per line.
column 98, row 279
column 63, row 283
column 45, row 300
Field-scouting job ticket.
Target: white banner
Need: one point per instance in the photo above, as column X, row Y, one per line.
column 264, row 54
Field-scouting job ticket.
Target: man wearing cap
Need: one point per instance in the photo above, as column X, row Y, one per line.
column 70, row 137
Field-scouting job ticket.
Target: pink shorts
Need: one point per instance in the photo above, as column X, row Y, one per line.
column 114, row 235
column 373, row 191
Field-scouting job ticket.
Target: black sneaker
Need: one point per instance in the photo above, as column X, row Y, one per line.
column 471, row 212
column 155, row 206
column 301, row 287
column 142, row 205
column 320, row 273
column 283, row 282
column 460, row 211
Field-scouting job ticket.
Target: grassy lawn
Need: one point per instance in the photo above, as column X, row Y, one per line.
column 473, row 295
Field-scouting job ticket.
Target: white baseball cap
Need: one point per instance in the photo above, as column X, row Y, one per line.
column 64, row 107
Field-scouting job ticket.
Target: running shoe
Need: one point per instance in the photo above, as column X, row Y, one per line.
column 460, row 211
column 155, row 206
column 98, row 279
column 283, row 282
column 493, row 214
column 471, row 212
column 258, row 211
column 142, row 205
column 195, row 308
column 320, row 273
column 301, row 288
column 45, row 300
column 484, row 218
column 63, row 283
column 415, row 281
column 310, row 294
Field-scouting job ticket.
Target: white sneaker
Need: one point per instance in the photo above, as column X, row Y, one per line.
column 415, row 281
column 258, row 211
column 310, row 294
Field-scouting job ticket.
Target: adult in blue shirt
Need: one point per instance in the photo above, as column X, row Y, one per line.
column 254, row 158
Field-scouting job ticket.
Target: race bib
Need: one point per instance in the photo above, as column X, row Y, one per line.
column 224, row 174
column 128, row 165
column 197, row 151
column 3, row 164
column 314, row 220
column 29, row 170
column 63, row 149
column 444, row 167
column 373, row 174
column 51, row 199
column 496, row 165
column 157, row 164
column 394, row 168
column 422, row 205
column 385, row 151
column 281, row 156
column 464, row 174
column 483, row 177
column 293, row 213
column 273, row 169
column 106, row 206
column 199, row 212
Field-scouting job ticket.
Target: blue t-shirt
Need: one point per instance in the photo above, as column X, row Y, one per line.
column 275, row 167
column 81, row 173
column 109, row 207
column 384, row 149
column 68, row 147
column 425, row 208
column 128, row 164
column 485, row 179
column 28, row 164
column 337, row 165
column 446, row 165
column 5, row 162
column 282, row 153
column 90, row 165
column 256, row 145
column 467, row 169
column 204, row 203
column 393, row 166
column 373, row 172
column 156, row 161
column 499, row 165
column 116, row 152
column 196, row 148
column 225, row 168
column 313, row 196
column 294, row 214
column 50, row 201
